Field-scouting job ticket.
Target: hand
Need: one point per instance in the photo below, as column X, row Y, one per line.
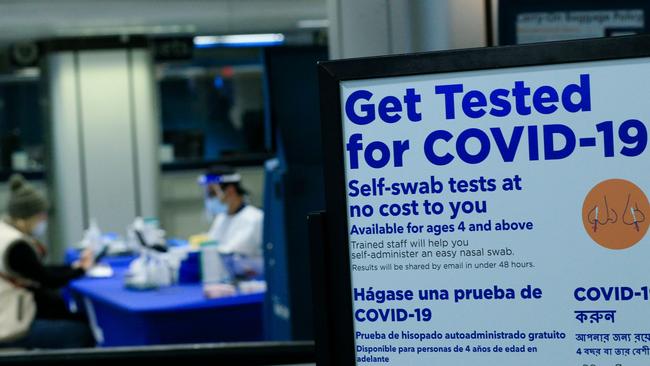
column 86, row 260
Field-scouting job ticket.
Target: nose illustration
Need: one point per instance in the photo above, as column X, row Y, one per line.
column 632, row 215
column 596, row 216
column 613, row 214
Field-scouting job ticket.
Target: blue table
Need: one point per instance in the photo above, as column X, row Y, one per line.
column 169, row 315
column 189, row 271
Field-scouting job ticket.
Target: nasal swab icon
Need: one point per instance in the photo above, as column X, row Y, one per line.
column 636, row 223
column 638, row 216
column 609, row 217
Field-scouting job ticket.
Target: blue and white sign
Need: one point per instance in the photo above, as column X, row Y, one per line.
column 498, row 217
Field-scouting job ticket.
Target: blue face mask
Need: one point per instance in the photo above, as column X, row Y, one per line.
column 213, row 206
column 40, row 230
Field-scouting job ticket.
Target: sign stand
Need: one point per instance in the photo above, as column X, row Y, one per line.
column 500, row 130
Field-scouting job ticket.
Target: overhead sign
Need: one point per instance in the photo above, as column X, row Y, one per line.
column 521, row 22
column 492, row 212
column 564, row 25
column 172, row 48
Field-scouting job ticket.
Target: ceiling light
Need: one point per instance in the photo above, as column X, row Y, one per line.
column 239, row 40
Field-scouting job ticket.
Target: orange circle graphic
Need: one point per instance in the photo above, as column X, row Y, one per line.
column 614, row 214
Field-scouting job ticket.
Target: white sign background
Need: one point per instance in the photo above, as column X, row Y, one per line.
column 563, row 254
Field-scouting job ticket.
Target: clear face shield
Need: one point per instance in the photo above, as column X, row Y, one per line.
column 212, row 193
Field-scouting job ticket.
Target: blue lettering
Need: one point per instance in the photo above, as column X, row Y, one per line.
column 508, row 150
column 449, row 91
column 520, row 92
column 353, row 146
column 497, row 98
column 474, row 99
column 428, row 147
column 359, row 294
column 384, row 157
column 389, row 109
column 583, row 90
column 411, row 99
column 461, row 143
column 549, row 131
column 533, row 144
column 545, row 94
column 354, row 190
column 363, row 119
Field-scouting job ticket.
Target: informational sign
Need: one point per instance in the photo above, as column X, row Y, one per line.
column 498, row 216
column 173, row 48
column 522, row 22
column 565, row 25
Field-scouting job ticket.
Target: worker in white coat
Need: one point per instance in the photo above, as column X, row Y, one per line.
column 236, row 224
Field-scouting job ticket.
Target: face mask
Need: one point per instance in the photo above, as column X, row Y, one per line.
column 40, row 230
column 213, row 207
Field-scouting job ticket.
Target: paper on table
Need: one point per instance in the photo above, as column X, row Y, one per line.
column 100, row 271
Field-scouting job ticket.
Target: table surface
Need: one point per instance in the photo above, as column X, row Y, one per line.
column 172, row 298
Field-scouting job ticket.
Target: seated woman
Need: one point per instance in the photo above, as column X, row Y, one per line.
column 32, row 312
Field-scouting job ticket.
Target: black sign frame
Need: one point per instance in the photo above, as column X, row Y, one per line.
column 337, row 339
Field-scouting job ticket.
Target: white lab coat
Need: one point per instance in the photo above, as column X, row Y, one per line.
column 240, row 233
